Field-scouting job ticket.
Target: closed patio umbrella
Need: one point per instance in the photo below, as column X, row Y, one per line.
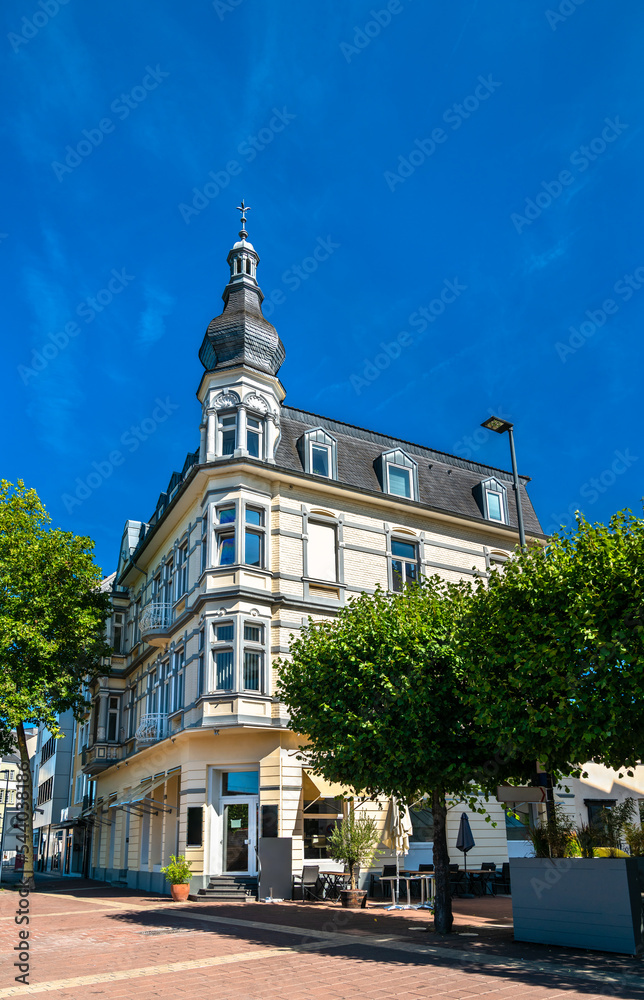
column 464, row 840
column 398, row 829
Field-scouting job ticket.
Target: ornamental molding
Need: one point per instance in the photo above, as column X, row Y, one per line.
column 225, row 400
column 255, row 402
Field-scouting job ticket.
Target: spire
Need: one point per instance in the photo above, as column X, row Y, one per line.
column 241, row 334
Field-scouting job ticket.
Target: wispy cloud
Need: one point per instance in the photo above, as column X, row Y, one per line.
column 159, row 304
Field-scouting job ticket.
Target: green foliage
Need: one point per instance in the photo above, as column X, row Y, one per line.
column 556, row 837
column 555, row 646
column 586, row 838
column 381, row 694
column 52, row 613
column 354, row 842
column 612, row 822
column 635, row 839
column 177, row 872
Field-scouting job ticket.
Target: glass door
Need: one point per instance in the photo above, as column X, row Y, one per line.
column 240, row 835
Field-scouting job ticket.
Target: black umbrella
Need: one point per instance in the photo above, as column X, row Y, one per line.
column 465, row 840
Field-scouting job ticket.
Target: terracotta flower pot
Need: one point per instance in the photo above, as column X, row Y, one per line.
column 353, row 899
column 180, row 892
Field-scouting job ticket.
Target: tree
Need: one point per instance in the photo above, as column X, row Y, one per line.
column 52, row 623
column 555, row 648
column 380, row 693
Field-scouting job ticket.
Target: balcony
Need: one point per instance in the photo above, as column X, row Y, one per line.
column 152, row 728
column 155, row 622
column 100, row 756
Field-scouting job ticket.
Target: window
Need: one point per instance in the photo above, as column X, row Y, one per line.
column 404, row 564
column 45, row 791
column 399, row 481
column 253, row 679
column 153, row 692
column 112, row 718
column 254, row 435
column 254, row 538
column 204, row 541
column 130, row 701
column 167, row 581
column 517, row 821
column 201, row 680
column 596, row 816
column 228, row 431
column 491, row 497
column 240, row 783
column 225, row 535
column 78, row 788
column 194, row 834
column 117, row 632
column 422, row 821
column 320, row 818
column 321, row 551
column 176, row 680
column 48, row 749
column 137, row 615
column 318, row 451
column 182, row 570
column 494, row 505
column 224, row 656
column 398, row 474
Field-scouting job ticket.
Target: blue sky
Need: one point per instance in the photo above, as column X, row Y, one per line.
column 471, row 171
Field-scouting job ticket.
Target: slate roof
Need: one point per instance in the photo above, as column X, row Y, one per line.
column 445, row 482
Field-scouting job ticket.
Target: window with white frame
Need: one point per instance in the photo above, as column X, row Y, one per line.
column 254, row 435
column 318, row 451
column 168, row 571
column 204, row 540
column 491, row 496
column 152, row 693
column 398, row 474
column 254, row 536
column 177, row 680
column 404, row 563
column 112, row 718
column 118, row 631
column 224, row 656
column 322, row 562
column 182, row 570
column 225, row 535
column 228, row 432
column 238, row 655
column 253, row 667
column 165, row 682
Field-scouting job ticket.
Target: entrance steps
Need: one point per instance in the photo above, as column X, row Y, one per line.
column 227, row 889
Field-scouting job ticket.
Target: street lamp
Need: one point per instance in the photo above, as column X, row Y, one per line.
column 500, row 427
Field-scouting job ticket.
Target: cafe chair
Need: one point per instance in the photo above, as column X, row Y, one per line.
column 307, row 884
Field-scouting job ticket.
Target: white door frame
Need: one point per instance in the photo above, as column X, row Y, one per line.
column 252, row 801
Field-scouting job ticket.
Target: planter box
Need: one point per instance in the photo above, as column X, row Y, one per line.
column 593, row 903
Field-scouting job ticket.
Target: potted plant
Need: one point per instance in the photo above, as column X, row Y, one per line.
column 178, row 873
column 354, row 844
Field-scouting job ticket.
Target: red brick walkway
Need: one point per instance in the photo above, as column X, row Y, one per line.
column 91, row 940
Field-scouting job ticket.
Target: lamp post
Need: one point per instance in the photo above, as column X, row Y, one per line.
column 500, row 427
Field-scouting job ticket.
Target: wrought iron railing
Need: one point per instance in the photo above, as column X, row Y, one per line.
column 155, row 616
column 152, row 728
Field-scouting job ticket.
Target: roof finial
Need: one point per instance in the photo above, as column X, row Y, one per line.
column 243, row 209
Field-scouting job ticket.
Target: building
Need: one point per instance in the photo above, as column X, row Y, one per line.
column 8, row 805
column 51, row 769
column 277, row 514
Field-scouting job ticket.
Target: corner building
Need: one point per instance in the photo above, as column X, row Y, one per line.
column 277, row 515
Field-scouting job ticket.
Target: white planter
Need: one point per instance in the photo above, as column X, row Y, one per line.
column 590, row 903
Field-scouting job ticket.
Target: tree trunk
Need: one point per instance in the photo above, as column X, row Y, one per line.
column 26, row 809
column 442, row 899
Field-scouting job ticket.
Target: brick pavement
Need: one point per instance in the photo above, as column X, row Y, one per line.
column 92, row 940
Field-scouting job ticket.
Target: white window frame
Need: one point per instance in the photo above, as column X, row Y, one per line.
column 258, row 530
column 222, row 428
column 260, row 431
column 182, row 571
column 406, row 540
column 222, row 646
column 226, row 529
column 410, row 478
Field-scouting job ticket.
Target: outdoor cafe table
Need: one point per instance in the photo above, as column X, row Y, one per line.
column 425, row 878
column 333, row 882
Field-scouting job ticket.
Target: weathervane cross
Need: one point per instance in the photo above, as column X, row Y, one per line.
column 243, row 209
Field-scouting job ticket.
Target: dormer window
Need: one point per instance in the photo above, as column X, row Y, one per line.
column 398, row 474
column 318, row 451
column 491, row 496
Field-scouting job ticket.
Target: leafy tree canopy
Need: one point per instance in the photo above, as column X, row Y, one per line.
column 52, row 613
column 555, row 648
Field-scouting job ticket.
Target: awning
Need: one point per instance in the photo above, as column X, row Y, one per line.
column 143, row 802
column 316, row 787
